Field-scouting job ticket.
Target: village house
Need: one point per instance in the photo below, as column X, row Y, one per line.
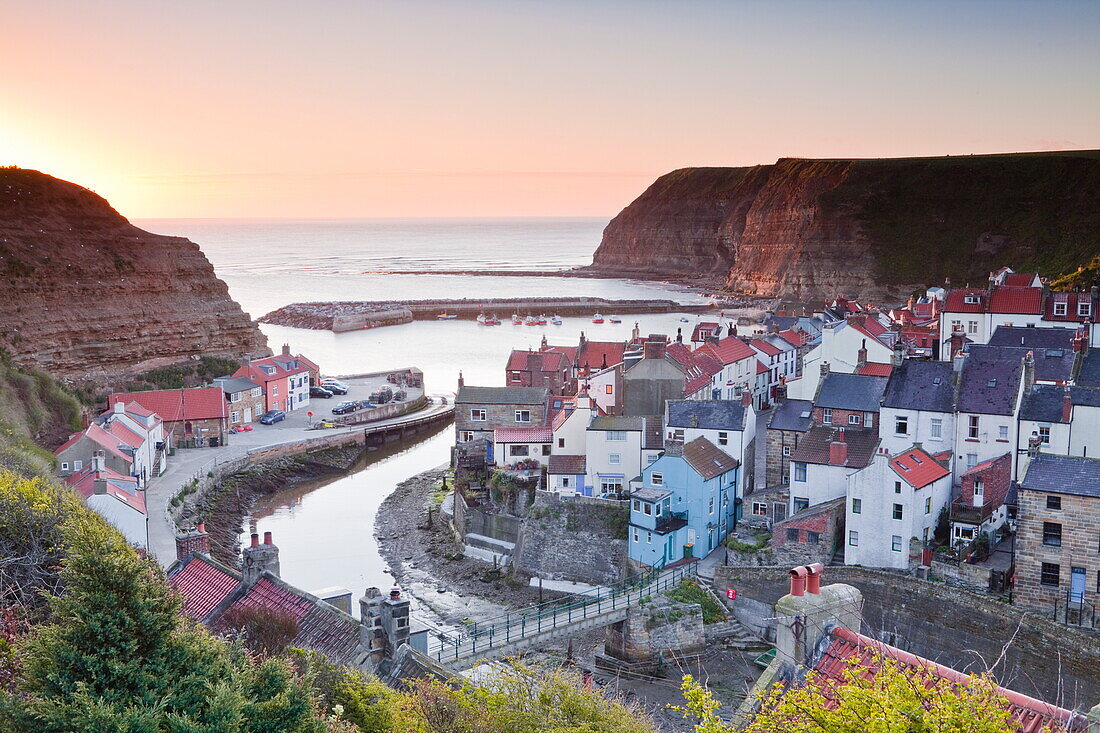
column 985, row 500
column 652, row 380
column 824, row 459
column 918, row 406
column 596, row 356
column 685, row 506
column 704, row 331
column 481, row 410
column 802, row 342
column 605, row 386
column 616, row 449
column 1066, row 421
column 728, row 424
column 738, row 372
column 550, row 369
column 780, row 358
column 285, row 379
column 245, row 399
column 1075, row 310
column 851, row 400
column 789, row 421
column 193, row 418
column 1057, row 563
column 990, row 393
column 813, row 535
column 115, row 497
column 130, row 439
column 893, row 506
column 846, row 346
column 512, row 445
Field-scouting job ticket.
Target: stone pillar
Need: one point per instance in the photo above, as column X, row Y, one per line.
column 395, row 618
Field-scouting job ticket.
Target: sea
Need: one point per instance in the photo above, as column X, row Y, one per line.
column 325, row 530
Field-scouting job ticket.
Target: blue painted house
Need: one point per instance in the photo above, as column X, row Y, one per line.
column 686, row 505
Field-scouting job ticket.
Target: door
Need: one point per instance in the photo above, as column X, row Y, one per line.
column 1077, row 585
column 247, row 415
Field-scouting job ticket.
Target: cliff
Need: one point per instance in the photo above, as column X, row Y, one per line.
column 879, row 228
column 89, row 297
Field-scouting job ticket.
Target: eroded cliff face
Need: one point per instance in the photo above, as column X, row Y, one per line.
column 877, row 228
column 90, row 297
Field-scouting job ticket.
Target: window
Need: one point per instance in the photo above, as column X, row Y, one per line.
column 611, row 486
column 1044, row 435
column 637, row 505
column 786, row 451
column 1054, row 502
column 897, row 487
column 814, row 538
column 853, row 538
column 928, row 505
column 652, row 458
column 759, row 509
column 972, row 427
column 614, row 458
column 515, row 376
column 647, row 509
column 546, row 450
column 857, row 506
column 1052, row 534
column 800, row 503
column 979, row 488
column 1048, row 574
column 657, row 479
column 972, row 327
column 616, row 436
column 827, row 416
column 899, row 511
column 710, row 506
column 901, row 425
column 607, row 389
column 236, row 397
column 561, row 442
column 1060, row 308
column 971, row 460
column 65, row 466
column 517, row 450
column 1084, row 308
column 895, row 543
column 257, row 392
column 937, row 427
column 869, row 419
column 723, row 438
column 465, row 436
column 792, row 535
column 565, row 482
column 800, row 472
column 649, row 538
column 635, row 534
column 477, row 415
column 854, row 420
column 77, row 465
column 523, row 416
column 274, row 390
column 1002, row 432
column 234, row 416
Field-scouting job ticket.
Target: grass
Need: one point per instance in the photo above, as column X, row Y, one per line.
column 735, row 544
column 189, row 374
column 34, row 407
column 690, row 592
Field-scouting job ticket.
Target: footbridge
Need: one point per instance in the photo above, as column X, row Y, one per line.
column 558, row 619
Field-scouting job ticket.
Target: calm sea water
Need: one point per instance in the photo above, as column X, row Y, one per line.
column 325, row 530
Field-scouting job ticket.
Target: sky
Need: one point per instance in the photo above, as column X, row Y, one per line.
column 353, row 108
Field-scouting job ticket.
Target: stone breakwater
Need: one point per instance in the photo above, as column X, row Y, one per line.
column 354, row 315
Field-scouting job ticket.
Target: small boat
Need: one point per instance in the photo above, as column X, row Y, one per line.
column 685, row 319
column 516, row 320
column 530, row 321
column 540, row 321
column 597, row 318
column 482, row 319
column 446, row 316
column 614, row 319
column 493, row 320
column 556, row 320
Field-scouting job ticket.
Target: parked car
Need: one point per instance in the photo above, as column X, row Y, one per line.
column 334, row 386
column 345, row 407
column 272, row 416
column 320, row 392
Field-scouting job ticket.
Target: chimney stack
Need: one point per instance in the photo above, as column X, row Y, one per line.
column 461, row 381
column 798, row 580
column 861, row 355
column 1034, row 443
column 810, row 612
column 1067, row 404
column 99, row 460
column 191, row 542
column 959, row 360
column 813, row 578
column 824, row 368
column 1080, row 341
column 746, row 395
column 653, row 349
column 899, row 353
column 286, row 349
column 259, row 559
column 119, row 408
column 838, row 450
column 1029, row 369
column 99, row 486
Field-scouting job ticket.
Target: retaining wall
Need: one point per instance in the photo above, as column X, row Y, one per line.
column 958, row 628
column 575, row 539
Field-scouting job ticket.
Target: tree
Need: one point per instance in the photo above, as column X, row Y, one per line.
column 877, row 696
column 118, row 655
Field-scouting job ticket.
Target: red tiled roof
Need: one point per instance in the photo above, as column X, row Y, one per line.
column 703, row 367
column 703, row 330
column 917, row 468
column 1028, row 714
column 762, row 345
column 593, row 354
column 203, row 586
column 874, row 369
column 871, row 328
column 570, row 352
column 523, row 435
column 1016, row 300
column 123, row 488
column 728, row 350
column 520, row 361
column 707, row 459
column 101, row 437
column 124, row 434
column 813, row 447
column 956, row 301
column 282, row 366
column 1019, row 279
column 760, row 368
column 1072, row 301
column 137, row 409
column 175, row 405
column 681, row 353
column 795, row 336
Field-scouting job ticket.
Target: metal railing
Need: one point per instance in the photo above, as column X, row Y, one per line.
column 515, row 626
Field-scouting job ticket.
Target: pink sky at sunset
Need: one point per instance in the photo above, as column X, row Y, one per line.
column 406, row 109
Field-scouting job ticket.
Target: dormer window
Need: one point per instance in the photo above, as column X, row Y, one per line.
column 1084, row 309
column 971, row 299
column 1060, row 309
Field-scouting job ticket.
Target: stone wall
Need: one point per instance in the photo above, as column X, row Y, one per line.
column 660, row 628
column 778, row 466
column 496, row 416
column 577, row 539
column 963, row 630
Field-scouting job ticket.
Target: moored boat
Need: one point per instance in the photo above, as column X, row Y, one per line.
column 482, row 319
column 556, row 320
column 530, row 321
column 614, row 319
column 597, row 318
column 516, row 320
column 446, row 316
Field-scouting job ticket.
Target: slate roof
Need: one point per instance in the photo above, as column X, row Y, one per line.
column 567, row 465
column 523, row 435
column 1089, row 374
column 502, row 395
column 709, row 414
column 1032, row 338
column 617, row 422
column 1043, row 403
column 707, row 459
column 650, row 495
column 1063, row 475
column 989, row 386
column 913, row 385
column 788, row 415
column 1027, row 714
column 814, row 445
column 917, row 468
column 233, row 385
column 652, row 438
column 176, row 405
column 1051, row 365
column 204, row 584
column 850, row 392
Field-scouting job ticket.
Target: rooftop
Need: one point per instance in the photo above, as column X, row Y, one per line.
column 706, row 414
column 1063, row 475
column 989, row 386
column 176, row 405
column 523, row 435
column 650, row 495
column 567, row 465
column 917, row 468
column 502, row 395
column 707, row 459
column 814, row 445
column 233, row 385
column 1032, row 337
column 204, row 584
column 921, row 385
column 1043, row 402
column 1051, row 365
column 850, row 392
column 792, row 415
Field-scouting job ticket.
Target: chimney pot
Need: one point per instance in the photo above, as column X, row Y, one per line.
column 255, row 540
column 798, row 580
column 813, row 578
column 267, row 538
column 201, row 527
